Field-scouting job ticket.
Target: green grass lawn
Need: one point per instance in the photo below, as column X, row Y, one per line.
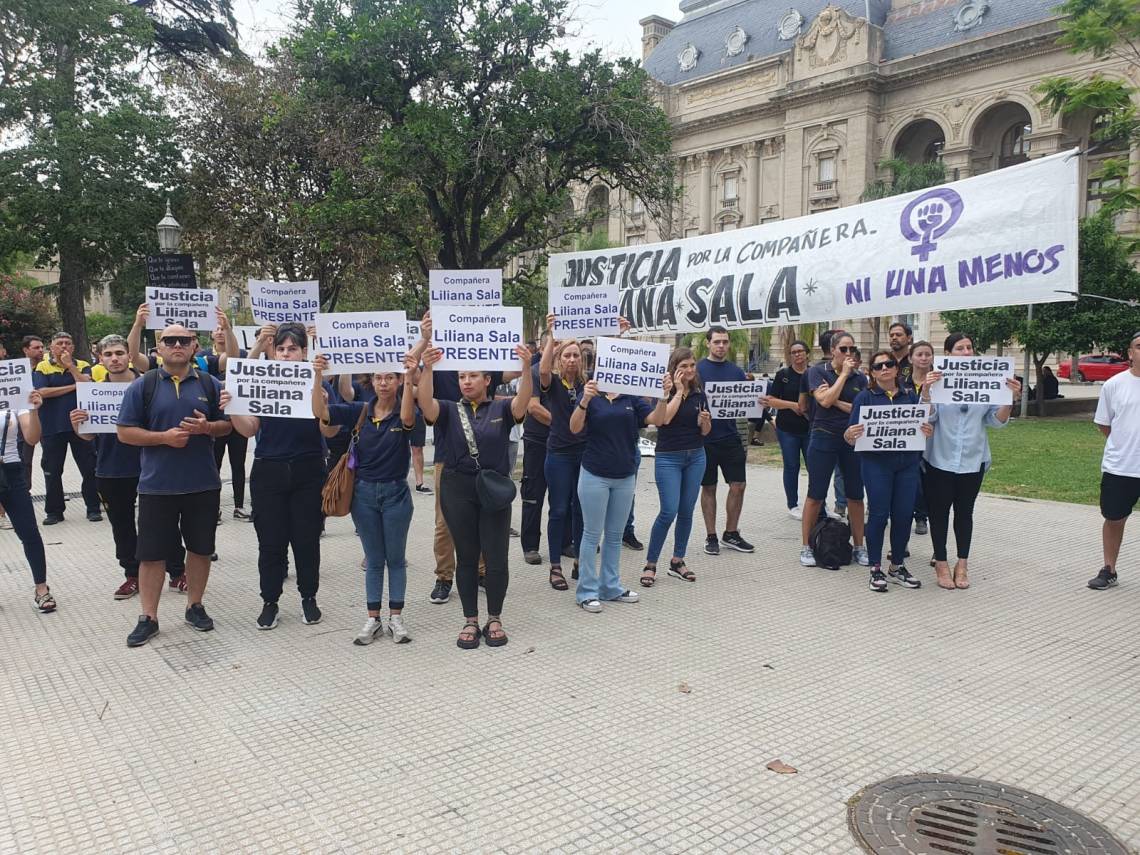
column 1055, row 458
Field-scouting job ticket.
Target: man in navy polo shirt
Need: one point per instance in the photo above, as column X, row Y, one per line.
column 179, row 486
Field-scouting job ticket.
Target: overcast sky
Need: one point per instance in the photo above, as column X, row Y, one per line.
column 608, row 24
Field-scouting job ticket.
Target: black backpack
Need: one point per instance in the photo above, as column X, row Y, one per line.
column 150, row 386
column 830, row 542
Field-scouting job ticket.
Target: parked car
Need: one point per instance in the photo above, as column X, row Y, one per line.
column 1093, row 368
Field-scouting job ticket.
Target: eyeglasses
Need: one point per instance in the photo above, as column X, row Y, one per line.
column 847, row 348
column 177, row 340
column 798, row 352
column 879, row 366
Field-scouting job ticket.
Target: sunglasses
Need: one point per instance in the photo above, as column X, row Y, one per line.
column 879, row 366
column 847, row 348
column 177, row 340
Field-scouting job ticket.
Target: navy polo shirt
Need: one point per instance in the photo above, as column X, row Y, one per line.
column 165, row 470
column 114, row 459
column 721, row 372
column 445, row 387
column 55, row 413
column 358, row 395
column 288, row 439
column 533, row 429
column 383, row 449
column 561, row 401
column 491, row 422
column 831, row 419
column 611, row 450
column 683, row 433
column 877, row 397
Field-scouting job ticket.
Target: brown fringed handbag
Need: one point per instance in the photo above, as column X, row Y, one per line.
column 336, row 495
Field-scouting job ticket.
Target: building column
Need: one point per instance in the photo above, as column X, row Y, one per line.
column 957, row 159
column 751, row 183
column 1132, row 222
column 705, row 191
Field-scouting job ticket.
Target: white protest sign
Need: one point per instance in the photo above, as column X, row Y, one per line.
column 247, row 338
column 630, row 367
column 359, row 342
column 892, row 427
column 976, row 380
column 1004, row 238
column 272, row 387
column 282, row 302
column 15, row 384
column 465, row 287
column 414, row 333
column 475, row 338
column 101, row 401
column 193, row 308
column 736, row 399
column 581, row 311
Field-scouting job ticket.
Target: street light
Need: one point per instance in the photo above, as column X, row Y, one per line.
column 169, row 232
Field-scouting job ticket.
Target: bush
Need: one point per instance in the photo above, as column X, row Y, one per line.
column 99, row 325
column 23, row 312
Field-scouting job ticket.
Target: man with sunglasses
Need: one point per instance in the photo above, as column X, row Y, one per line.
column 179, row 486
column 1118, row 417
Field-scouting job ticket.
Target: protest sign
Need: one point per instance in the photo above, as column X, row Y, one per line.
column 976, row 380
column 101, row 401
column 274, row 387
column 414, row 333
column 892, row 427
column 193, row 308
column 282, row 302
column 362, row 341
column 247, row 338
column 1003, row 238
column 171, row 270
column 465, row 287
column 475, row 338
column 581, row 311
column 15, row 384
column 631, row 367
column 736, row 399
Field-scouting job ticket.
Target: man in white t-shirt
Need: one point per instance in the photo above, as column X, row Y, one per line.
column 1118, row 417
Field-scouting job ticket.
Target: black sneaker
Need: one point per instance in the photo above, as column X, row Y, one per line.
column 733, row 540
column 52, row 519
column 423, row 489
column 921, row 527
column 268, row 617
column 712, row 545
column 310, row 614
column 630, row 539
column 196, row 616
column 570, row 551
column 94, row 516
column 1103, row 580
column 901, row 576
column 143, row 631
column 441, row 593
column 878, row 581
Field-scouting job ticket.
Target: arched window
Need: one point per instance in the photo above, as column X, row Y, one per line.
column 1015, row 144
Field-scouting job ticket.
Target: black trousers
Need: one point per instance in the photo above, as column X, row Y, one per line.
column 119, row 497
column 338, row 447
column 945, row 491
column 27, row 452
column 533, row 491
column 286, row 498
column 475, row 531
column 54, row 454
column 237, row 445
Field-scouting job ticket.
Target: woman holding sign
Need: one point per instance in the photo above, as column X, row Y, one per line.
column 16, row 494
column 479, row 522
column 285, row 486
column 954, row 465
column 890, row 476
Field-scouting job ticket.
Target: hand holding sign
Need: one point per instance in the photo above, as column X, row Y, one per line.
column 589, row 391
column 78, row 417
column 431, row 356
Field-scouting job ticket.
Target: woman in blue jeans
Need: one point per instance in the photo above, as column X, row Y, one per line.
column 606, row 485
column 792, row 427
column 381, row 501
column 679, row 463
column 890, row 477
column 16, row 496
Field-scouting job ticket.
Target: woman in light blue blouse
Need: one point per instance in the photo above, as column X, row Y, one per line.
column 954, row 464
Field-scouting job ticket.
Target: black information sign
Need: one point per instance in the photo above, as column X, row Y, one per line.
column 171, row 270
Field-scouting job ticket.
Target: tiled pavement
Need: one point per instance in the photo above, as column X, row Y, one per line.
column 575, row 737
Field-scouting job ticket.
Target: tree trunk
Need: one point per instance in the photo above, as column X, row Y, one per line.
column 72, row 273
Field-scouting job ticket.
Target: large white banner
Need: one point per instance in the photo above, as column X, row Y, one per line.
column 978, row 380
column 361, row 342
column 101, row 402
column 15, row 384
column 1004, row 238
column 282, row 302
column 627, row 367
column 477, row 338
column 193, row 308
column 272, row 387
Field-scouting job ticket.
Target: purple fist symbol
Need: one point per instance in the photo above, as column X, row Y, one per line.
column 928, row 217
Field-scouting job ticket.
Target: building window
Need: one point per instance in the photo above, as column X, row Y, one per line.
column 636, row 206
column 1015, row 145
column 826, row 169
column 728, row 226
column 692, row 232
column 729, row 188
column 635, row 240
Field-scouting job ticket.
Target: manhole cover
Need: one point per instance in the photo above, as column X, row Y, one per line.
column 937, row 814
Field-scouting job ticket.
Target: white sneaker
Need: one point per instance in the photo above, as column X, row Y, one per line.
column 796, row 513
column 834, row 515
column 373, row 627
column 397, row 630
column 862, row 556
column 807, row 557
column 626, row 597
column 593, row 606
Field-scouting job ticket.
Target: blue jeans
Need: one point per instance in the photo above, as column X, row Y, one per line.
column 562, row 470
column 678, row 475
column 826, row 451
column 382, row 513
column 793, row 446
column 891, row 479
column 605, row 507
column 17, row 502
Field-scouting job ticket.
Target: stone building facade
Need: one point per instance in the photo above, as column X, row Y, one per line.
column 783, row 109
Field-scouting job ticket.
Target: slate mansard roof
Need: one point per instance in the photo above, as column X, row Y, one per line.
column 907, row 30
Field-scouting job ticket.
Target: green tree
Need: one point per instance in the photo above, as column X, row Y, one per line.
column 996, row 327
column 23, row 312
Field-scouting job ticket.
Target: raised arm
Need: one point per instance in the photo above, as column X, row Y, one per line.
column 578, row 417
column 666, row 407
column 522, row 397
column 134, row 340
column 232, row 348
column 408, row 399
column 425, row 392
column 320, row 401
column 546, row 363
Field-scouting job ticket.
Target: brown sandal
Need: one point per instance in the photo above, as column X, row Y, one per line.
column 469, row 636
column 557, row 580
column 961, row 579
column 945, row 579
column 494, row 640
column 648, row 577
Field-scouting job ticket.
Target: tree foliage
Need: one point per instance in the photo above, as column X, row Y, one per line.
column 905, row 177
column 23, row 312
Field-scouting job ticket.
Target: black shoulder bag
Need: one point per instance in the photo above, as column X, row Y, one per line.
column 495, row 491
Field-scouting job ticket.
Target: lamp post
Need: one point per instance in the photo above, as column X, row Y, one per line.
column 235, row 304
column 169, row 232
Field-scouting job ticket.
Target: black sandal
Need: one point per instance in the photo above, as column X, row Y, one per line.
column 557, row 580
column 574, row 572
column 468, row 643
column 648, row 577
column 678, row 569
column 494, row 642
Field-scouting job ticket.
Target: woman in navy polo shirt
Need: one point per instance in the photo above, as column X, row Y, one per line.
column 285, row 486
column 606, row 485
column 381, row 500
column 891, row 477
column 474, row 528
column 679, row 463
